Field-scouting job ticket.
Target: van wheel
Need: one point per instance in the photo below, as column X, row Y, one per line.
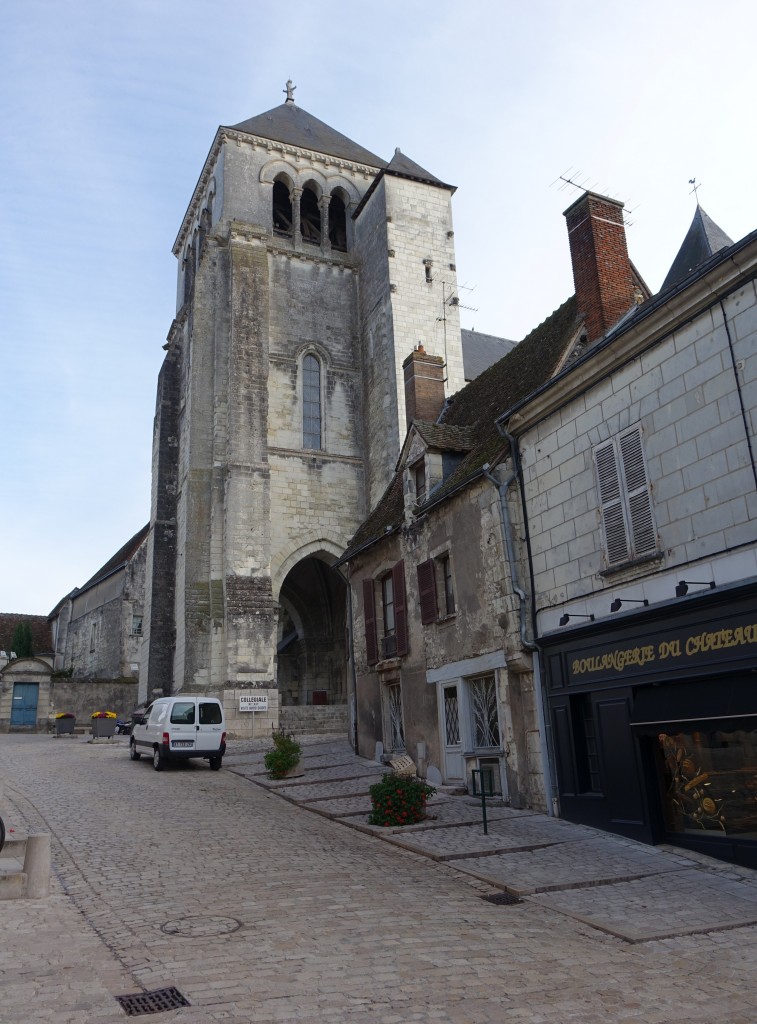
column 134, row 754
column 158, row 761
column 215, row 762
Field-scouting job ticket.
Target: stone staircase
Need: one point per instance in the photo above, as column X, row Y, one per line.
column 25, row 860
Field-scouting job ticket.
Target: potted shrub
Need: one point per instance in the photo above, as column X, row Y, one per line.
column 399, row 800
column 64, row 723
column 284, row 760
column 103, row 724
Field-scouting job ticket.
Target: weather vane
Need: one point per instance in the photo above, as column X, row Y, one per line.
column 693, row 181
column 289, row 91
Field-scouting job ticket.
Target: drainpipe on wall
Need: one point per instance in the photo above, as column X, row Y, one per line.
column 545, row 729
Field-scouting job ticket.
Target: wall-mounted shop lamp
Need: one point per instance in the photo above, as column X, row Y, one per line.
column 682, row 588
column 566, row 618
column 615, row 606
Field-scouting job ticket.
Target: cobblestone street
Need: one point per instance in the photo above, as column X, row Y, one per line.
column 258, row 910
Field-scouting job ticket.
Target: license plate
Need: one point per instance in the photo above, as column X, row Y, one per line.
column 182, row 743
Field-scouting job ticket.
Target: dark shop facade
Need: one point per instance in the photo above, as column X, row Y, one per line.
column 654, row 723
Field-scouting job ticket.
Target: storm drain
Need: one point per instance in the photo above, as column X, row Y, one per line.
column 152, row 1002
column 502, row 899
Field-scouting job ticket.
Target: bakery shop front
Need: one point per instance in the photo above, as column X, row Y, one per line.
column 654, row 723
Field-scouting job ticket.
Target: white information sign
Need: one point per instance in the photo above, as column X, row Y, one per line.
column 253, row 702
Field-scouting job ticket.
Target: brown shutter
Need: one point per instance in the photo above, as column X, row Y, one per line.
column 400, row 607
column 369, row 613
column 427, row 590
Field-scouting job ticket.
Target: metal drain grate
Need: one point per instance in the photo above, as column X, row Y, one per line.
column 502, row 899
column 152, row 1002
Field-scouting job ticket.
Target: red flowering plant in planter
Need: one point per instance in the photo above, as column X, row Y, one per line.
column 399, row 800
column 103, row 714
column 65, row 714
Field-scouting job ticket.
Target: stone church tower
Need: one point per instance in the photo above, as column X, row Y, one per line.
column 308, row 270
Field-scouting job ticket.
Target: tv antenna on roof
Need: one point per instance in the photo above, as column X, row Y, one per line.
column 573, row 179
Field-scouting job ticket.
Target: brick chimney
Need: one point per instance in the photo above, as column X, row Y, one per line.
column 424, row 386
column 602, row 273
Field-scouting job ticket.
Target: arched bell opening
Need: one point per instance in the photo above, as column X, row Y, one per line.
column 311, row 649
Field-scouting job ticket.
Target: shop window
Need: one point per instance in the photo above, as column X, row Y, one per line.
column 708, row 778
column 311, row 402
column 585, row 744
column 625, row 498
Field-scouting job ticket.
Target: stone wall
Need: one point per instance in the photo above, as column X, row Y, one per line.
column 315, row 721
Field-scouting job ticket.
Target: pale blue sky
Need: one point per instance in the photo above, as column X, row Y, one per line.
column 110, row 108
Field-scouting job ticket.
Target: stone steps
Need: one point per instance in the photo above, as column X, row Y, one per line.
column 24, row 867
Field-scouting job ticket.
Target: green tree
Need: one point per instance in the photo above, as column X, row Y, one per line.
column 21, row 643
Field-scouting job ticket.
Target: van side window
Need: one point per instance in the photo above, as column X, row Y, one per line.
column 210, row 714
column 183, row 713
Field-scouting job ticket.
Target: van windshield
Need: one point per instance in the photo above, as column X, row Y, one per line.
column 183, row 713
column 210, row 714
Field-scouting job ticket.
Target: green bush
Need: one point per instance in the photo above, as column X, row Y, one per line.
column 399, row 800
column 284, row 756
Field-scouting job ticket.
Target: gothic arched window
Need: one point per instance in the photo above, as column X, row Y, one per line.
column 311, row 402
column 282, row 209
column 310, row 217
column 337, row 223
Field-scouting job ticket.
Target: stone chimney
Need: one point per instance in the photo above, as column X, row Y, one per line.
column 602, row 272
column 424, row 386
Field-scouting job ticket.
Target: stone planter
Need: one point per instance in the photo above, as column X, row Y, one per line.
column 103, row 728
column 64, row 726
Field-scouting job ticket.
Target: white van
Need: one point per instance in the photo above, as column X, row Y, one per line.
column 177, row 728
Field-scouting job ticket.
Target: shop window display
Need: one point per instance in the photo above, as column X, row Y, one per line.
column 710, row 780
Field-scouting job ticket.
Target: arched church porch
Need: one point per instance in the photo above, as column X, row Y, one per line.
column 311, row 650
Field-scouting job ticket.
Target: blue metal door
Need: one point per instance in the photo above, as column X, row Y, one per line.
column 24, row 707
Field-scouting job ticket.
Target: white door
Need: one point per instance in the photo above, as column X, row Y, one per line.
column 452, row 745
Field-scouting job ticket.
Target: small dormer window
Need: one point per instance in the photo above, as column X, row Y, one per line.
column 419, row 473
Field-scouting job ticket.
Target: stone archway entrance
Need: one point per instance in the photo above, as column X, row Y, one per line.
column 311, row 646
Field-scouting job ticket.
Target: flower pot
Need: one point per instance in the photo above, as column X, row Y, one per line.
column 103, row 727
column 64, row 726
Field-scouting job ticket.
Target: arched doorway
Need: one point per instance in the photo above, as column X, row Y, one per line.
column 311, row 649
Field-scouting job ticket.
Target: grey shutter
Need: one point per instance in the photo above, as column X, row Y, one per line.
column 642, row 527
column 611, row 503
column 427, row 591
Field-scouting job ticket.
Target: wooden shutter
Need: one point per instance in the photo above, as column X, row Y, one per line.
column 611, row 503
column 641, row 520
column 400, row 607
column 369, row 614
column 427, row 590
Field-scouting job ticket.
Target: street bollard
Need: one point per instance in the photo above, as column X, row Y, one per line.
column 37, row 865
column 486, row 783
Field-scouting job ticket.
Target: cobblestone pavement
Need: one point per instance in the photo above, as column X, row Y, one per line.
column 259, row 911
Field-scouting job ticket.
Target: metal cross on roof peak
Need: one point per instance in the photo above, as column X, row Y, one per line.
column 693, row 181
column 289, row 90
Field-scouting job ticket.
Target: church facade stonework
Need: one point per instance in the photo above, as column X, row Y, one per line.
column 309, row 268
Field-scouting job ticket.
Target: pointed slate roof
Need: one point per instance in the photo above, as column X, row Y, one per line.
column 403, row 167
column 480, row 351
column 121, row 557
column 703, row 239
column 294, row 126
